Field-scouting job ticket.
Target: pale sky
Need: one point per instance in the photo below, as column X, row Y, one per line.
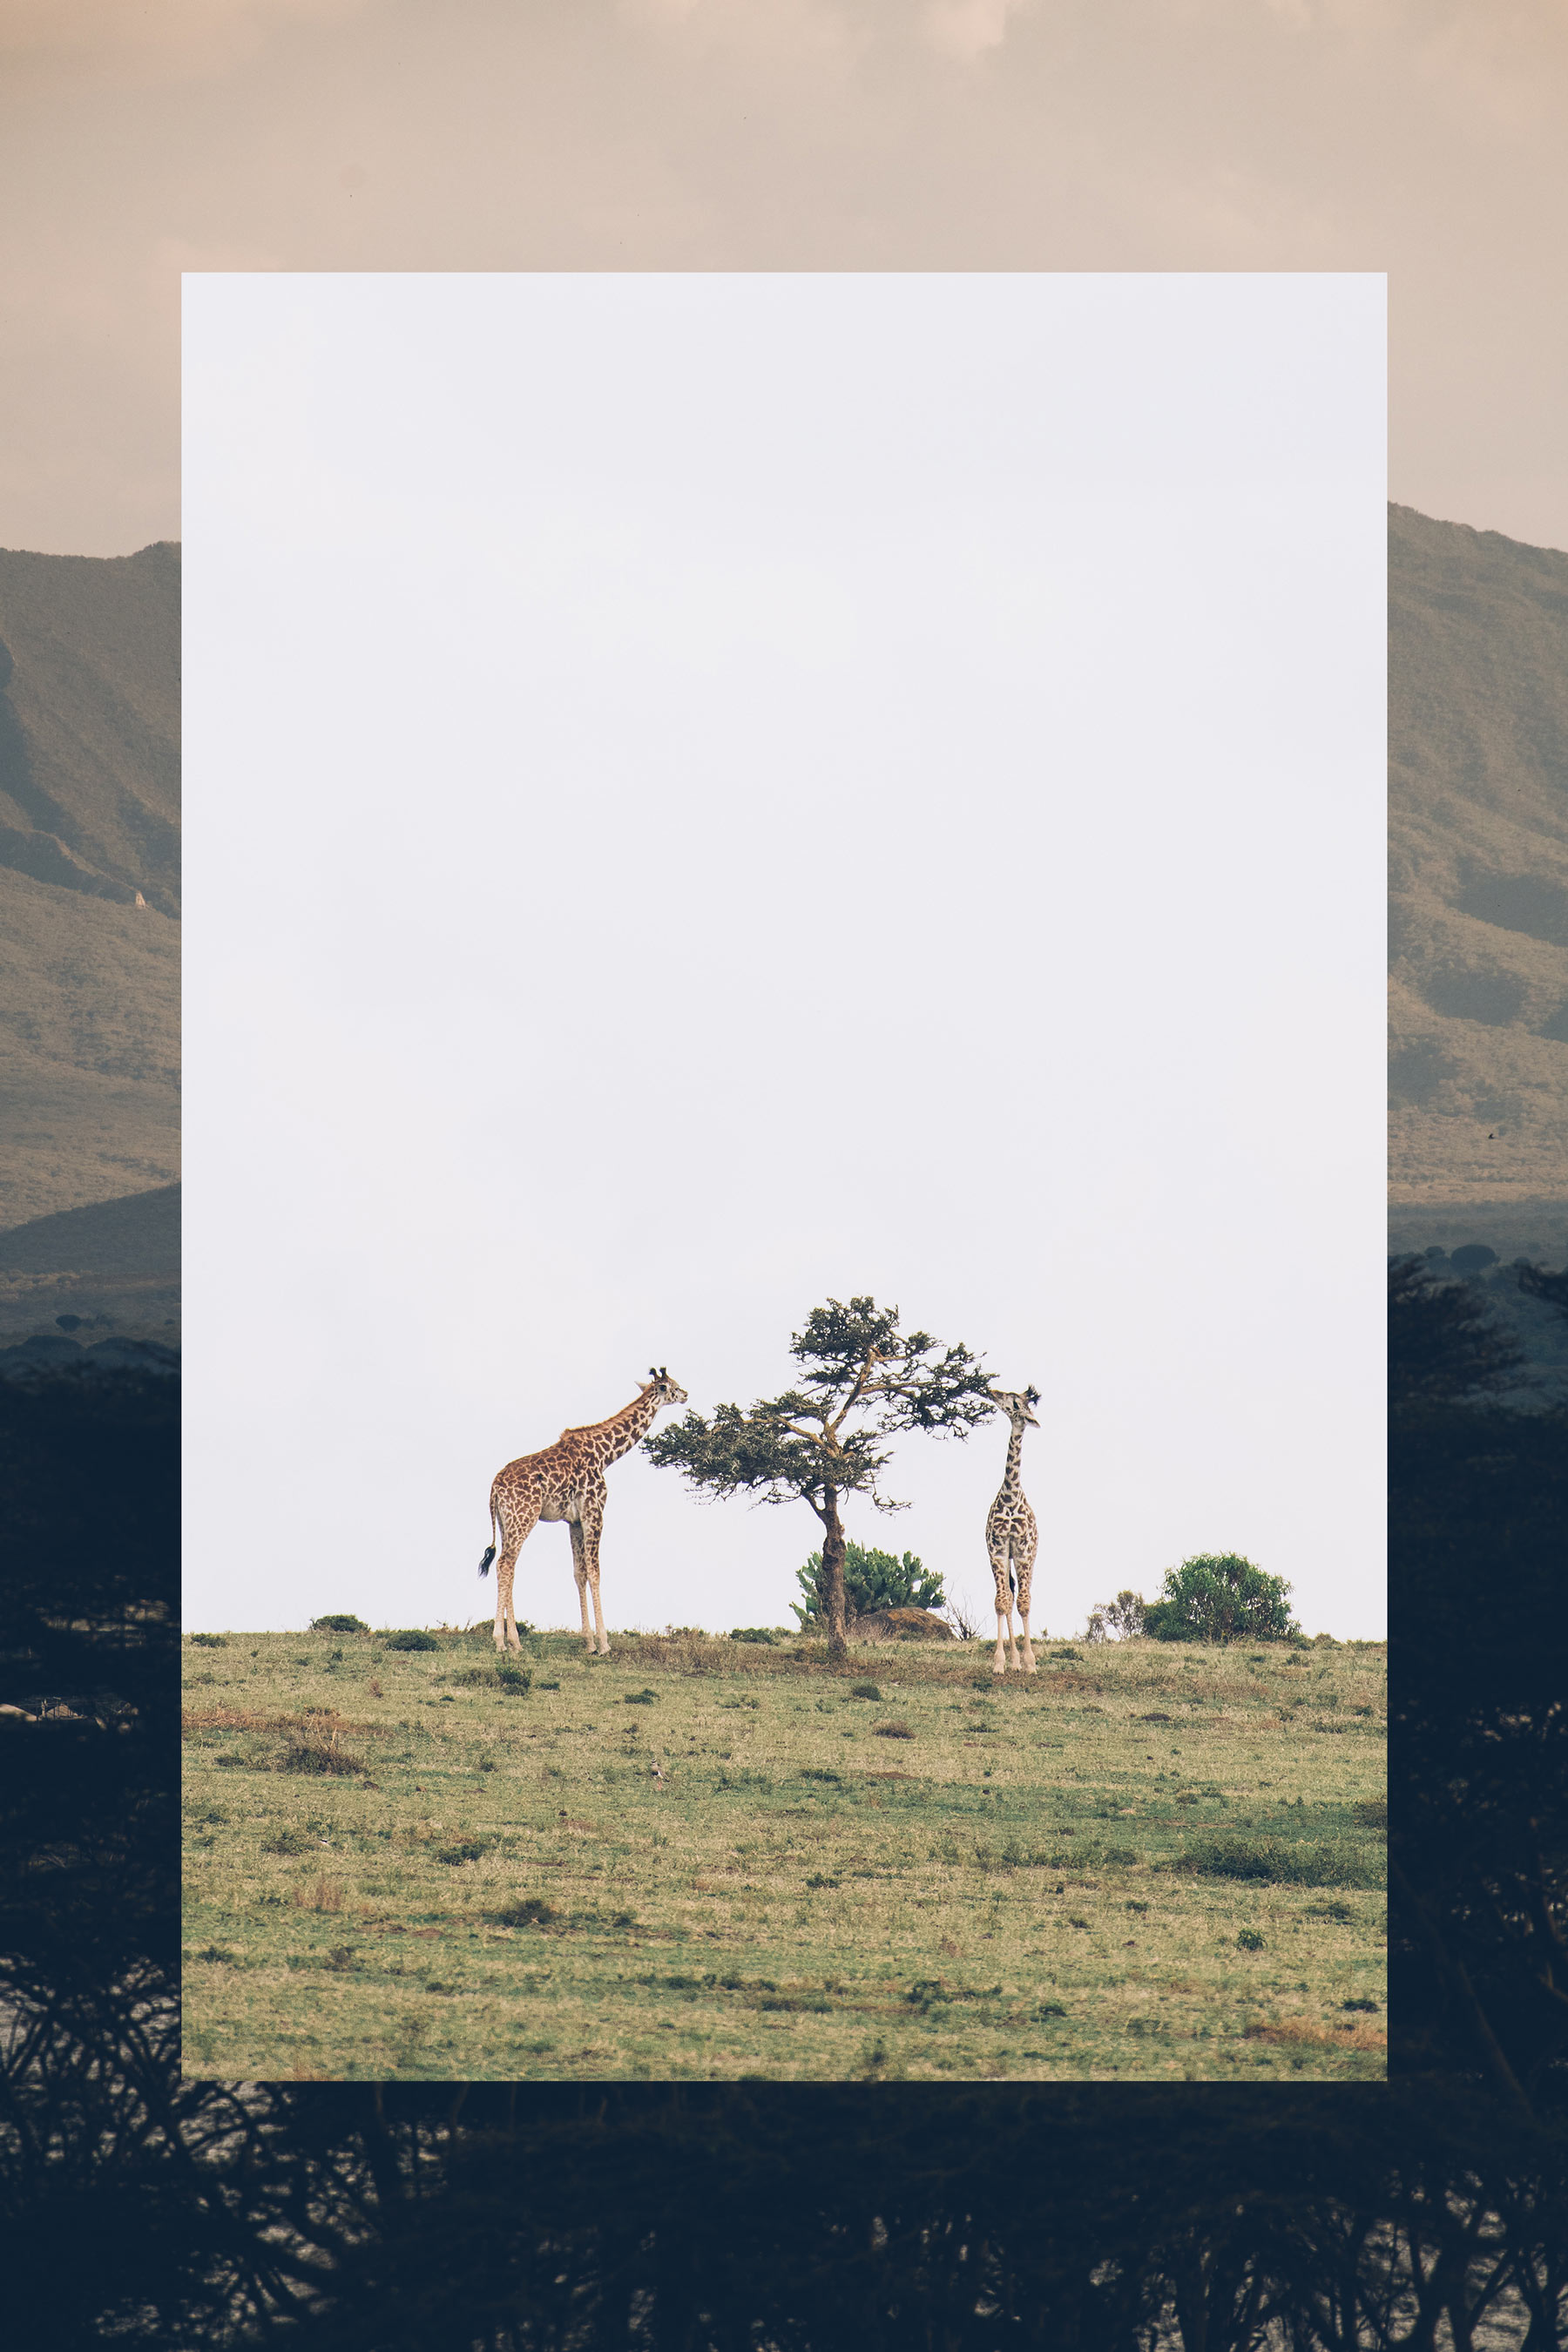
column 1424, row 138
column 711, row 792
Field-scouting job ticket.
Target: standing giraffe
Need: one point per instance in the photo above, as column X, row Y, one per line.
column 567, row 1482
column 1011, row 1536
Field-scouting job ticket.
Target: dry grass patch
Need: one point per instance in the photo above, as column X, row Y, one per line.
column 322, row 1894
column 318, row 1720
column 1316, row 2033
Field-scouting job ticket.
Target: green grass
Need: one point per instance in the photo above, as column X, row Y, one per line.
column 1147, row 1862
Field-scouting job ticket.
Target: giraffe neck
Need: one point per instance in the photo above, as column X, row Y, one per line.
column 621, row 1432
column 1012, row 1483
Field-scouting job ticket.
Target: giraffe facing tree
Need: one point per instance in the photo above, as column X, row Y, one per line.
column 566, row 1481
column 1011, row 1536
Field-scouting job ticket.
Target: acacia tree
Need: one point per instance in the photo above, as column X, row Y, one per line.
column 862, row 1382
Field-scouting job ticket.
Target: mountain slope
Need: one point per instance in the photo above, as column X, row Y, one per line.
column 89, row 878
column 1479, row 846
column 111, row 1268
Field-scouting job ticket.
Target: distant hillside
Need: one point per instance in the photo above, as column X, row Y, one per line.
column 1479, row 826
column 112, row 1269
column 88, row 827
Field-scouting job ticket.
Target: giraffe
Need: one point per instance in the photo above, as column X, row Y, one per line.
column 1011, row 1536
column 566, row 1481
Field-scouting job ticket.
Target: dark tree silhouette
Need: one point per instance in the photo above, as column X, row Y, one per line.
column 1445, row 1346
column 1479, row 1800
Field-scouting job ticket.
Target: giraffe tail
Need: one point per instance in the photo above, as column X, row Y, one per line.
column 489, row 1548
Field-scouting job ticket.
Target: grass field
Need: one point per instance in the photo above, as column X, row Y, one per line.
column 1149, row 1860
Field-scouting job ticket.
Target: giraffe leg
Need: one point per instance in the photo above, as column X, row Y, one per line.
column 591, row 1531
column 505, row 1568
column 1025, row 1566
column 516, row 1519
column 1004, row 1609
column 580, row 1570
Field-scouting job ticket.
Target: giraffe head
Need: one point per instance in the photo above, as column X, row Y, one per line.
column 1016, row 1406
column 659, row 1385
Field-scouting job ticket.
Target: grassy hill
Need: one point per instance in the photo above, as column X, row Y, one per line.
column 88, row 878
column 1478, row 824
column 708, row 1859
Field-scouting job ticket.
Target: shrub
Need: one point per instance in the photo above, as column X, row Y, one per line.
column 755, row 1633
column 1220, row 1596
column 640, row 1698
column 210, row 1641
column 1120, row 1620
column 872, row 1580
column 339, row 1625
column 533, row 1911
column 317, row 1752
column 864, row 1690
column 287, row 1842
column 503, row 1676
column 894, row 1731
column 1249, row 1941
column 470, row 1850
column 411, row 1639
column 1322, row 1863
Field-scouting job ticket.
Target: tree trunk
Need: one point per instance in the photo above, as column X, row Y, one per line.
column 832, row 1576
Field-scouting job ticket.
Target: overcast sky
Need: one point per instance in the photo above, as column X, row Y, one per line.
column 710, row 792
column 1420, row 137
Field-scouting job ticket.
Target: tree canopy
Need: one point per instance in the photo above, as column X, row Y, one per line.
column 862, row 1382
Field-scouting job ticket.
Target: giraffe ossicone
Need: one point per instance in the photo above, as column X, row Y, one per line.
column 1012, row 1537
column 566, row 1481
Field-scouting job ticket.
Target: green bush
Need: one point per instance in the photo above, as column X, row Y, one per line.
column 210, row 1641
column 1220, row 1596
column 412, row 1640
column 531, row 1912
column 339, row 1625
column 308, row 1753
column 864, row 1690
column 755, row 1633
column 1324, row 1862
column 872, row 1580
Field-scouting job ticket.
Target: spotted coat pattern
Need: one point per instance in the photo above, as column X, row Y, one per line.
column 1011, row 1538
column 566, row 1481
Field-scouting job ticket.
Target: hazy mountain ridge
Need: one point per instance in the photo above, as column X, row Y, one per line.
column 89, row 819
column 90, row 722
column 1478, row 865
